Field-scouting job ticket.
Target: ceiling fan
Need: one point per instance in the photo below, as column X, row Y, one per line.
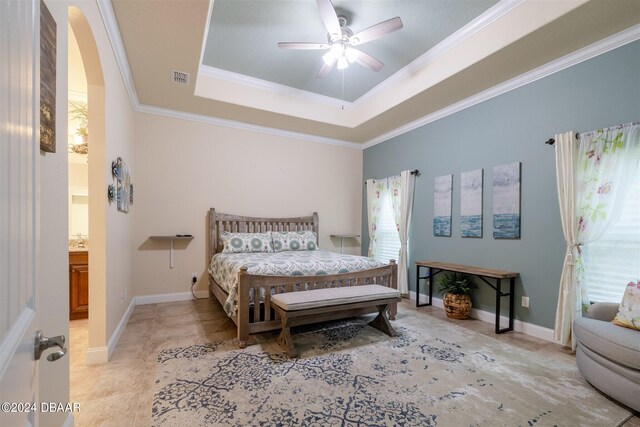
column 341, row 41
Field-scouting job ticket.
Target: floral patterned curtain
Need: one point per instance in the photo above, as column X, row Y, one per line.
column 401, row 193
column 604, row 163
column 375, row 189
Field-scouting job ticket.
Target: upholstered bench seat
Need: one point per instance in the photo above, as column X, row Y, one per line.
column 292, row 301
column 315, row 304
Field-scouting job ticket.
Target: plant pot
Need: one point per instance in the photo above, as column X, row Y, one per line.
column 457, row 306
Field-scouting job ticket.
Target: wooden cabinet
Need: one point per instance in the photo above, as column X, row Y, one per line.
column 78, row 285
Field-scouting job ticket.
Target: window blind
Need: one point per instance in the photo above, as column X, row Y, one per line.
column 614, row 260
column 387, row 233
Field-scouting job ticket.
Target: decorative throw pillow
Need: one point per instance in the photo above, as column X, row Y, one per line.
column 246, row 242
column 629, row 311
column 294, row 241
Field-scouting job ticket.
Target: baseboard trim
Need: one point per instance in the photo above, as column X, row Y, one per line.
column 115, row 337
column 96, row 355
column 489, row 317
column 177, row 296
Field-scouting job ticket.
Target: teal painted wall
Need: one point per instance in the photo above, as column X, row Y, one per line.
column 512, row 127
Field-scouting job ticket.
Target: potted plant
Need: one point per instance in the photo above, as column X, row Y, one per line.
column 456, row 288
column 80, row 112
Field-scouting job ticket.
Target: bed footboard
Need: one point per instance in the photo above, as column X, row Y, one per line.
column 260, row 317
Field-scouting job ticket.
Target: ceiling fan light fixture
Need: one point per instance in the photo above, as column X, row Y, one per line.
column 329, row 58
column 342, row 63
column 342, row 42
column 350, row 53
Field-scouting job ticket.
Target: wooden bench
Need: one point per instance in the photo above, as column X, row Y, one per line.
column 302, row 307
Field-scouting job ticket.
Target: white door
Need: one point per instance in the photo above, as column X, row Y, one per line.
column 19, row 156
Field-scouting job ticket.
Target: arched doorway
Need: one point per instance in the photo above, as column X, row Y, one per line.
column 96, row 185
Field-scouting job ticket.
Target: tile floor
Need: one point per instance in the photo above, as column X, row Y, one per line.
column 120, row 392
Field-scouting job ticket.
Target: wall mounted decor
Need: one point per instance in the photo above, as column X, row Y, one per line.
column 111, row 193
column 471, row 203
column 442, row 205
column 506, row 201
column 123, row 187
column 47, row 80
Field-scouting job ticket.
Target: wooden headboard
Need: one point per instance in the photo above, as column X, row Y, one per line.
column 219, row 222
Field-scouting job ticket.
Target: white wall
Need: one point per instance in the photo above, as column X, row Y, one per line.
column 78, row 210
column 111, row 136
column 186, row 167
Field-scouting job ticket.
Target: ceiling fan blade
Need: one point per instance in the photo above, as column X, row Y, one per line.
column 330, row 18
column 325, row 69
column 376, row 31
column 367, row 60
column 302, row 45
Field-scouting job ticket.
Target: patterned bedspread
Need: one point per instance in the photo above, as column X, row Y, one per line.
column 224, row 267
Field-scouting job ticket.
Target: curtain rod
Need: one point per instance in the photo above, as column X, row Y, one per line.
column 415, row 172
column 552, row 141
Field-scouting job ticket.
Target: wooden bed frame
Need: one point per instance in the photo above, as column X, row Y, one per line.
column 256, row 318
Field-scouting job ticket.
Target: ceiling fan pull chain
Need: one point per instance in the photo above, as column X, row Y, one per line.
column 342, row 90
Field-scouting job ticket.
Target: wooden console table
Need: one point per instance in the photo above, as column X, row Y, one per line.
column 435, row 267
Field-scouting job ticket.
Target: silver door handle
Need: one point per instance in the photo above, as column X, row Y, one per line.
column 43, row 343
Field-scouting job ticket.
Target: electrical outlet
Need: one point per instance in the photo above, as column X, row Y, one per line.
column 194, row 278
column 525, row 302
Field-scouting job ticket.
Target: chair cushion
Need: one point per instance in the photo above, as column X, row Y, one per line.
column 293, row 301
column 618, row 344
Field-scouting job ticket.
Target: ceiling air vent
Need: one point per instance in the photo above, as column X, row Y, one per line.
column 180, row 77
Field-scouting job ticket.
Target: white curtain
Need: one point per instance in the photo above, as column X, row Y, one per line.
column 375, row 189
column 566, row 152
column 594, row 178
column 401, row 192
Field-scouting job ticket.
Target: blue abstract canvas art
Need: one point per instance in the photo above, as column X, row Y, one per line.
column 506, row 201
column 442, row 205
column 471, row 203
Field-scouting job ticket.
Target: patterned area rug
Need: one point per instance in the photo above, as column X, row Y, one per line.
column 433, row 373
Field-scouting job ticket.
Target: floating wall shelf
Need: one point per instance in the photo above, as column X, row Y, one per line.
column 171, row 239
column 342, row 237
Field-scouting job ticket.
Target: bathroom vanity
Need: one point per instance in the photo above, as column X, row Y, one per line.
column 78, row 283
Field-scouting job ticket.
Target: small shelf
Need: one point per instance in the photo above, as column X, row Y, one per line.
column 342, row 237
column 176, row 237
column 171, row 239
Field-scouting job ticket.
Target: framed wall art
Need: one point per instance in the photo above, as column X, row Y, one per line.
column 471, row 203
column 47, row 80
column 442, row 205
column 506, row 201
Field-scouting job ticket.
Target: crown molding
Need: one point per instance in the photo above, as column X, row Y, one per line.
column 603, row 46
column 113, row 32
column 245, row 126
column 617, row 40
column 487, row 18
column 494, row 13
column 276, row 88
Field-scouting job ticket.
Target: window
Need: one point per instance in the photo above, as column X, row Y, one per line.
column 614, row 260
column 387, row 233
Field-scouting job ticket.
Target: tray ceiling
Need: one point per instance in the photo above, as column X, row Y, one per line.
column 447, row 52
